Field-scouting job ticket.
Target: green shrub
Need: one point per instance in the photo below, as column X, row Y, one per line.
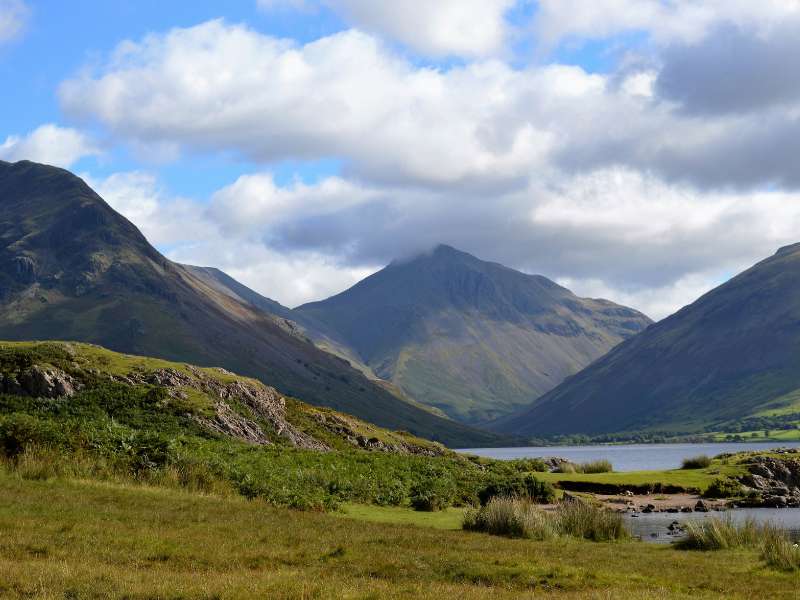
column 723, row 487
column 525, row 486
column 432, row 495
column 696, row 462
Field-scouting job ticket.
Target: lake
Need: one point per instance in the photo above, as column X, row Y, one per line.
column 629, row 457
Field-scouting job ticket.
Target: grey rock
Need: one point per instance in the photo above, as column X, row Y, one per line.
column 41, row 382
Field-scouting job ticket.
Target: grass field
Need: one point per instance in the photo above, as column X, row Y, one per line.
column 686, row 478
column 81, row 539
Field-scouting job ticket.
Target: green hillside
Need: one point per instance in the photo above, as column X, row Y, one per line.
column 81, row 410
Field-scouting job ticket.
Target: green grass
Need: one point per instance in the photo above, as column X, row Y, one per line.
column 82, row 539
column 450, row 518
column 698, row 479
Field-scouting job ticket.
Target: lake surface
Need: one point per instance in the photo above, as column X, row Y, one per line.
column 629, row 457
column 653, row 527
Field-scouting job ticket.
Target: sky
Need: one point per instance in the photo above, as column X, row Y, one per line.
column 642, row 151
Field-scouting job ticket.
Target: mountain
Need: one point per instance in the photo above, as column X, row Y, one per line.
column 72, row 268
column 732, row 354
column 472, row 338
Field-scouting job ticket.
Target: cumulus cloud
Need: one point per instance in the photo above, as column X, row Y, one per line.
column 734, row 70
column 467, row 28
column 51, row 144
column 219, row 86
column 686, row 21
column 13, row 17
column 166, row 221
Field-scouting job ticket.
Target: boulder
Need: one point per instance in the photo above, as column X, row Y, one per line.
column 42, row 382
column 701, row 506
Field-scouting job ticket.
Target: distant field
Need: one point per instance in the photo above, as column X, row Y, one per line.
column 687, row 478
column 78, row 539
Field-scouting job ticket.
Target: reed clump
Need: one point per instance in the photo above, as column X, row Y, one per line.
column 777, row 549
column 521, row 518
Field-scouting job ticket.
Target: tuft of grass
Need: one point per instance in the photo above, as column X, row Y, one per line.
column 519, row 517
column 590, row 522
column 696, row 462
column 589, row 468
column 777, row 549
column 596, row 466
column 781, row 553
column 724, row 534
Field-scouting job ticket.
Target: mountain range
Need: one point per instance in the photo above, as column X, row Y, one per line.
column 733, row 354
column 71, row 268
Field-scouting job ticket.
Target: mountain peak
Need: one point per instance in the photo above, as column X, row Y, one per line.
column 469, row 337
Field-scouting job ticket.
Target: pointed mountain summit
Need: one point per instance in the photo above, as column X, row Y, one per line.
column 731, row 355
column 472, row 338
column 71, row 268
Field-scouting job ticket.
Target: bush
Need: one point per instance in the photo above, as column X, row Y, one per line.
column 432, row 495
column 526, row 486
column 722, row 487
column 596, row 466
column 696, row 462
column 519, row 517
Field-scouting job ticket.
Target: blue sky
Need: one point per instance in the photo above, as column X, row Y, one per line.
column 594, row 142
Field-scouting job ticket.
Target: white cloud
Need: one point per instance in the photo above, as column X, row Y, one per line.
column 13, row 17
column 466, row 28
column 166, row 221
column 226, row 87
column 445, row 27
column 50, row 144
column 678, row 20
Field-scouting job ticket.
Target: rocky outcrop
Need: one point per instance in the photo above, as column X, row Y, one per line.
column 264, row 404
column 39, row 382
column 341, row 427
column 773, row 481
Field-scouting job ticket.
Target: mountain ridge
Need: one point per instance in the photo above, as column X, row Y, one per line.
column 730, row 355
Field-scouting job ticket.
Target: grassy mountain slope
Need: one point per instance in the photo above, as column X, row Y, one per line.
column 733, row 353
column 73, row 268
column 472, row 338
column 79, row 410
